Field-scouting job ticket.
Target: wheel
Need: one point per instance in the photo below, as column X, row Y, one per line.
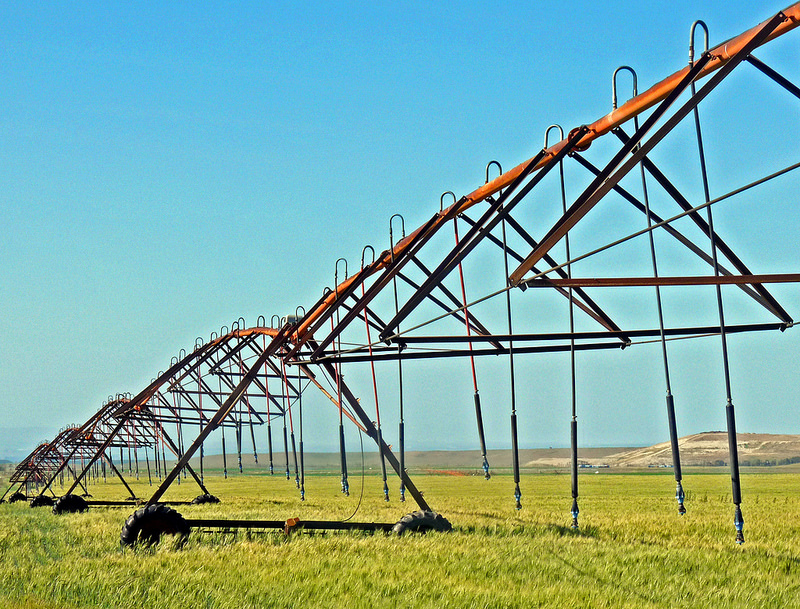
column 146, row 526
column 42, row 501
column 17, row 497
column 207, row 498
column 69, row 504
column 422, row 521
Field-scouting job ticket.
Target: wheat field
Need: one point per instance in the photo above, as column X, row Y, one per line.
column 632, row 548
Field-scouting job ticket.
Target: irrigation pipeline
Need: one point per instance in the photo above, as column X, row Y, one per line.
column 719, row 57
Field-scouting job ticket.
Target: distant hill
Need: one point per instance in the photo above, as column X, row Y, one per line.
column 437, row 460
column 702, row 449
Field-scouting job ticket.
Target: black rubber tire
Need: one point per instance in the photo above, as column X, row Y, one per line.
column 146, row 526
column 207, row 498
column 42, row 501
column 69, row 504
column 422, row 521
column 17, row 497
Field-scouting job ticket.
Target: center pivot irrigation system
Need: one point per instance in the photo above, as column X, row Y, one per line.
column 510, row 245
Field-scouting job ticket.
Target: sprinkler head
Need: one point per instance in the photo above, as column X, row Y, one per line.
column 739, row 523
column 679, row 497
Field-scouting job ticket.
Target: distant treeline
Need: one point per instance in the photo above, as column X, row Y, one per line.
column 757, row 462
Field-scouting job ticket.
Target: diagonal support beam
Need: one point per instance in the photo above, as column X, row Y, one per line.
column 607, row 179
column 668, row 228
column 766, row 299
column 781, row 80
column 474, row 323
column 401, row 255
column 603, row 184
column 491, row 218
column 580, row 298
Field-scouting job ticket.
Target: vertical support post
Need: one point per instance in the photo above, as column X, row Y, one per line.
column 202, row 450
column 300, row 414
column 515, row 460
column 239, row 440
column 269, row 413
column 224, row 453
column 342, row 448
column 237, row 422
column 514, row 437
column 673, row 428
column 730, row 416
column 156, row 457
column 294, row 456
column 680, row 496
column 476, row 396
column 286, row 447
column 573, row 428
column 253, row 436
column 147, row 460
column 574, row 511
column 164, row 455
column 200, row 422
column 401, row 426
column 269, row 444
column 378, row 429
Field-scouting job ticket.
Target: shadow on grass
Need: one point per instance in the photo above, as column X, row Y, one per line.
column 528, row 530
column 564, row 531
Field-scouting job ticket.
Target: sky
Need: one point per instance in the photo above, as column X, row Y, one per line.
column 168, row 168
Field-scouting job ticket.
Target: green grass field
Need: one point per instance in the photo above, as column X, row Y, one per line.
column 632, row 550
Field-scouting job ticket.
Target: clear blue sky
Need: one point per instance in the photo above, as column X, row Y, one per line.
column 166, row 169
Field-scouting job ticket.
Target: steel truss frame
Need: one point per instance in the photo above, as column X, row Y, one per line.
column 315, row 345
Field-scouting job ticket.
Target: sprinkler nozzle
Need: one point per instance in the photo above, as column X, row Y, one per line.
column 738, row 521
